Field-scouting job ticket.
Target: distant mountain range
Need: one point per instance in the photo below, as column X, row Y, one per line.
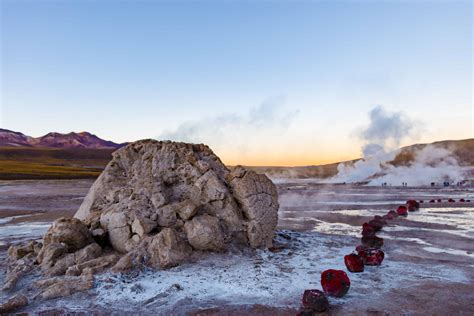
column 71, row 140
column 84, row 155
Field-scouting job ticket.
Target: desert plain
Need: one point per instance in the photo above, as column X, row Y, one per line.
column 428, row 267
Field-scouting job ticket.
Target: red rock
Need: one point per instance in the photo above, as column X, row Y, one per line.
column 451, row 201
column 374, row 257
column 366, row 226
column 377, row 224
column 402, row 210
column 462, row 200
column 368, row 230
column 432, row 201
column 413, row 205
column 354, row 263
column 380, row 219
column 315, row 300
column 335, row 282
column 392, row 214
column 421, row 201
column 372, row 242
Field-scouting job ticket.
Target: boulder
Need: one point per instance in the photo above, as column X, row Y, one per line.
column 68, row 231
column 168, row 249
column 151, row 186
column 205, row 233
column 335, row 282
column 258, row 198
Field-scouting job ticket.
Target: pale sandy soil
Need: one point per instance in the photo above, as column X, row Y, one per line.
column 428, row 270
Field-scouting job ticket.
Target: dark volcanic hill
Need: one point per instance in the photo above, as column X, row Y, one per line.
column 83, row 140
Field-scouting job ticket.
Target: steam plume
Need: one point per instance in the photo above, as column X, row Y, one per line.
column 381, row 139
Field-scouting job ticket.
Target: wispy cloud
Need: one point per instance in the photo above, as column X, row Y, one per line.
column 233, row 132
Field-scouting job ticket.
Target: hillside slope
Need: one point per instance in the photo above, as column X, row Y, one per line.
column 56, row 140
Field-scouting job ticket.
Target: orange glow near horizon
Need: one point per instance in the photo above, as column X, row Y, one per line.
column 288, row 160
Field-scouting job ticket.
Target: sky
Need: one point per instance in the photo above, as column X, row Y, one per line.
column 261, row 82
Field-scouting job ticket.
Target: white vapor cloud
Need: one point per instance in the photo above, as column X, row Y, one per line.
column 381, row 139
column 386, row 131
column 244, row 134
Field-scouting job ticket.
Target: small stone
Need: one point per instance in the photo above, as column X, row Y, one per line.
column 335, row 282
column 402, row 210
column 391, row 215
column 354, row 263
column 413, row 205
column 374, row 257
column 315, row 300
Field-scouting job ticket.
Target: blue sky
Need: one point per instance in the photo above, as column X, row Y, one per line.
column 309, row 71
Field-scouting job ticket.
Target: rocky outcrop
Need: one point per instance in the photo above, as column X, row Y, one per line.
column 155, row 204
column 150, row 186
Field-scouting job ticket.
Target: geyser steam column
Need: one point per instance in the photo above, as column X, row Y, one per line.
column 159, row 201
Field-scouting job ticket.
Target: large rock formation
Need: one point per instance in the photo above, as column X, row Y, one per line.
column 155, row 204
column 181, row 197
